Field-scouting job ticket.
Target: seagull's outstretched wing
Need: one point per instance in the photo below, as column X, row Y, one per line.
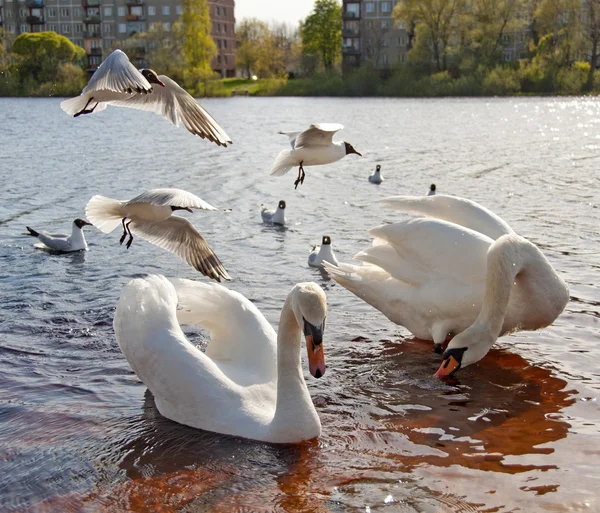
column 178, row 235
column 292, row 136
column 117, row 74
column 178, row 106
column 321, row 134
column 171, row 198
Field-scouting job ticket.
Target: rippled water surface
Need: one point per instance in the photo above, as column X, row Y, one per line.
column 517, row 432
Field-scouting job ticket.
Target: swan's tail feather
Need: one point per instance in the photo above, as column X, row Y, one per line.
column 104, row 213
column 283, row 163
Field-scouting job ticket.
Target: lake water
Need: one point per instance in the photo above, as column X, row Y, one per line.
column 518, row 432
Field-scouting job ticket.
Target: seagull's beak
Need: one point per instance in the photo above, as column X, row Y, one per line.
column 314, row 348
column 160, row 83
column 359, row 154
column 448, row 367
column 85, row 223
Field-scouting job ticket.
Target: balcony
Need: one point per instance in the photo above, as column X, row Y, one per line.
column 95, row 51
column 350, row 33
column 34, row 4
column 35, row 20
column 350, row 15
column 91, row 35
column 92, row 19
column 135, row 17
column 350, row 50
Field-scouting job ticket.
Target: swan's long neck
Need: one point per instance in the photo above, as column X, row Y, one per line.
column 294, row 410
column 542, row 291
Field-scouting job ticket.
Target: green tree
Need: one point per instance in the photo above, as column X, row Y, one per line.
column 440, row 18
column 591, row 33
column 41, row 53
column 322, row 32
column 198, row 47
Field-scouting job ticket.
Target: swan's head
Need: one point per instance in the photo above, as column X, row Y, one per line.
column 281, row 204
column 350, row 149
column 309, row 305
column 80, row 223
column 151, row 76
column 466, row 348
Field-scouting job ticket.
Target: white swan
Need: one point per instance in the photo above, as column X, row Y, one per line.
column 276, row 216
column 322, row 254
column 469, row 275
column 376, row 176
column 249, row 383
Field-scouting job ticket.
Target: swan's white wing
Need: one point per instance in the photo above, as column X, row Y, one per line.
column 457, row 210
column 116, row 73
column 177, row 105
column 428, row 250
column 178, row 235
column 171, row 198
column 241, row 340
column 318, row 135
column 292, row 136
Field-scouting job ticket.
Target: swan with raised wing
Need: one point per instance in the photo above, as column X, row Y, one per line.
column 249, row 382
column 460, row 271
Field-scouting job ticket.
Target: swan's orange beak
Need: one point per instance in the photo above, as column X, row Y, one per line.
column 316, row 357
column 449, row 365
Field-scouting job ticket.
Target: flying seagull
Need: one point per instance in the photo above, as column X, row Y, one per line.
column 149, row 216
column 313, row 147
column 117, row 82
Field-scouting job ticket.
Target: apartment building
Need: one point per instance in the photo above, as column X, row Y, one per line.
column 99, row 25
column 370, row 35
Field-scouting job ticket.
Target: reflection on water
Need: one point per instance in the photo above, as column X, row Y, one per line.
column 516, row 432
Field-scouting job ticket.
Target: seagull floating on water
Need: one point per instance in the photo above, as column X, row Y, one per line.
column 322, row 254
column 149, row 216
column 313, row 147
column 431, row 190
column 276, row 216
column 117, row 82
column 60, row 242
column 376, row 176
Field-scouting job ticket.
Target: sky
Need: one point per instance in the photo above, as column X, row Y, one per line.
column 290, row 11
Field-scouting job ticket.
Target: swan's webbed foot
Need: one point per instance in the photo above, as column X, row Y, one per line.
column 301, row 175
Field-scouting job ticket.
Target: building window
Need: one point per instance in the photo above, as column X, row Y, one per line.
column 219, row 59
column 370, row 7
column 107, row 44
column 166, row 10
column 385, row 43
column 354, row 9
column 78, row 28
column 122, row 27
column 64, row 11
column 52, row 27
column 218, row 43
column 218, row 11
column 121, row 12
column 9, row 15
column 95, row 43
column 76, row 12
column 51, row 12
column 66, row 28
column 167, row 26
column 225, row 57
column 224, row 11
column 224, row 27
column 107, row 28
column 151, row 10
column 178, row 10
column 224, row 43
column 108, row 11
column 24, row 28
column 386, row 6
column 218, row 27
column 385, row 24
